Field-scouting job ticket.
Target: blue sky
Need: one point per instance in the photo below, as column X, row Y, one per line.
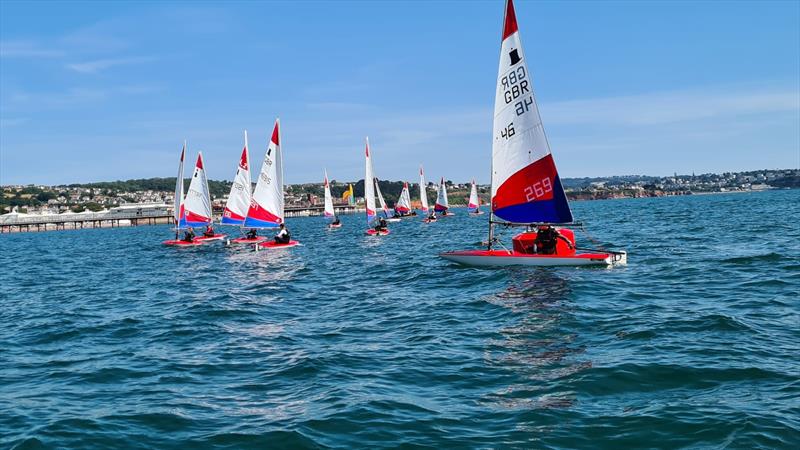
column 93, row 91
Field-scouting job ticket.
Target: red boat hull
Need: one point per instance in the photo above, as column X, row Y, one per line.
column 244, row 240
column 181, row 243
column 216, row 237
column 274, row 245
column 373, row 232
column 490, row 258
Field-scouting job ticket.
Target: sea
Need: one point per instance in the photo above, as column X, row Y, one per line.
column 109, row 339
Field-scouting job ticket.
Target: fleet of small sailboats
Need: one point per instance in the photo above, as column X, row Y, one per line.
column 526, row 189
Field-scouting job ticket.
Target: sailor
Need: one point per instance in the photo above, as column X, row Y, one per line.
column 252, row 233
column 432, row 216
column 546, row 239
column 283, row 236
column 209, row 231
column 477, row 211
column 336, row 220
column 381, row 225
column 189, row 235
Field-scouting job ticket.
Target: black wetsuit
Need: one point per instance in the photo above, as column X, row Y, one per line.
column 546, row 241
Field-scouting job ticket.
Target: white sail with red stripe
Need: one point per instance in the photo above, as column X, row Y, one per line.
column 526, row 187
column 329, row 212
column 178, row 214
column 423, row 193
column 403, row 205
column 369, row 188
column 266, row 207
column 442, row 205
column 474, row 201
column 241, row 191
column 197, row 205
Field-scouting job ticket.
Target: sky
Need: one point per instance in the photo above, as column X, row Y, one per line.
column 99, row 91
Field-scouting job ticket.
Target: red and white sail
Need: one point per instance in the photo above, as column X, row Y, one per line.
column 198, row 200
column 423, row 192
column 403, row 205
column 266, row 207
column 474, row 201
column 241, row 191
column 329, row 212
column 525, row 184
column 178, row 214
column 442, row 205
column 369, row 188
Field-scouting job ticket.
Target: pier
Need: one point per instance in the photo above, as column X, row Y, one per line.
column 125, row 216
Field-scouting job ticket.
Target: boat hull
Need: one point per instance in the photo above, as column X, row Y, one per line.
column 502, row 258
column 244, row 240
column 335, row 226
column 393, row 219
column 216, row 237
column 181, row 243
column 373, row 232
column 274, row 245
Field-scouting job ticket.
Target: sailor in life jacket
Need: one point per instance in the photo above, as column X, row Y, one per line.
column 283, row 235
column 546, row 239
column 209, row 231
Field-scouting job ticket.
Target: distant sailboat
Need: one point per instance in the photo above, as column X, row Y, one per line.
column 239, row 198
column 526, row 188
column 198, row 202
column 266, row 208
column 423, row 195
column 329, row 211
column 179, row 212
column 442, row 205
column 369, row 195
column 403, row 205
column 474, row 201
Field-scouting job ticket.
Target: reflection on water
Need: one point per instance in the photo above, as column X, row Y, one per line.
column 540, row 345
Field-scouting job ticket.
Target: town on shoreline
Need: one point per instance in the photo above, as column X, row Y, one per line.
column 75, row 198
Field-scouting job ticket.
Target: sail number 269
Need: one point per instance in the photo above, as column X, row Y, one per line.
column 539, row 189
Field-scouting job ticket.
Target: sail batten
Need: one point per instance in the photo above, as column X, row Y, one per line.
column 526, row 187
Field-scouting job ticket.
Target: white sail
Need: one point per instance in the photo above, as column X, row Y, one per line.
column 441, row 199
column 178, row 213
column 403, row 205
column 329, row 212
column 198, row 200
column 239, row 198
column 526, row 187
column 474, row 201
column 423, row 193
column 369, row 187
column 266, row 207
column 381, row 200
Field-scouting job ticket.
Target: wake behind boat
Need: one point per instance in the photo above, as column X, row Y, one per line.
column 526, row 188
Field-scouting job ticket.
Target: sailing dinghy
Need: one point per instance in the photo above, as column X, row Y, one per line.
column 179, row 213
column 239, row 198
column 369, row 196
column 474, row 204
column 403, row 206
column 384, row 208
column 526, row 188
column 198, row 202
column 329, row 212
column 442, row 205
column 423, row 197
column 266, row 208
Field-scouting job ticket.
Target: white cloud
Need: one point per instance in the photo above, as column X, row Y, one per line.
column 27, row 49
column 98, row 65
column 657, row 108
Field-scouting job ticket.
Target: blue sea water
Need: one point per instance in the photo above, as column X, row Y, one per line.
column 109, row 339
